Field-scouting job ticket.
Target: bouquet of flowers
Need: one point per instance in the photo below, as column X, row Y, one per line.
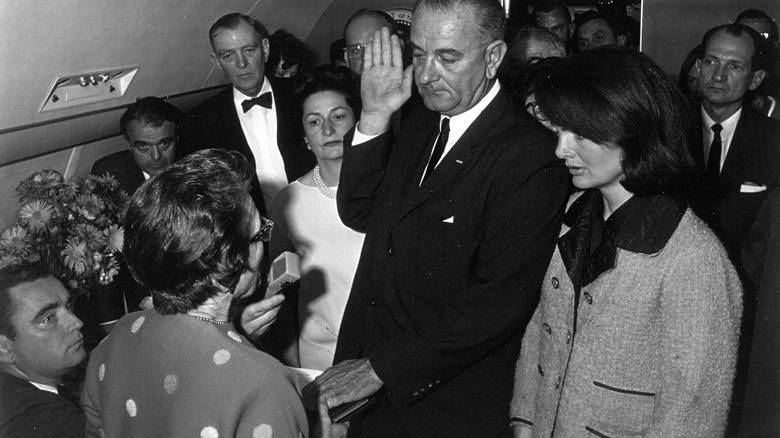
column 74, row 227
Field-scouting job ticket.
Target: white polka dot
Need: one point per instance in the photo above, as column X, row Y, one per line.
column 102, row 372
column 235, row 336
column 221, row 357
column 137, row 324
column 209, row 432
column 170, row 383
column 263, row 431
column 131, row 408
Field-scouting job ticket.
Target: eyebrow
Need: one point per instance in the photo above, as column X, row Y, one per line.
column 45, row 309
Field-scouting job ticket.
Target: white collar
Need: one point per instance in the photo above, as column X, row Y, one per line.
column 729, row 125
column 239, row 97
column 43, row 387
column 466, row 118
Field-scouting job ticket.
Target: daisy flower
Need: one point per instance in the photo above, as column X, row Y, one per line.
column 115, row 238
column 75, row 253
column 14, row 238
column 36, row 213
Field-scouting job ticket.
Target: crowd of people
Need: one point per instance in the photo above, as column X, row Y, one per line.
column 527, row 231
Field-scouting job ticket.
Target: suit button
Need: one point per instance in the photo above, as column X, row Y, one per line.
column 588, row 298
column 558, row 382
column 437, row 381
column 541, row 370
column 547, row 328
column 372, row 302
column 555, row 283
column 568, row 337
column 416, row 393
column 390, row 251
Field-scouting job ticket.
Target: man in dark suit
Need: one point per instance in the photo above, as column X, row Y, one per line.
column 150, row 126
column 458, row 235
column 255, row 116
column 741, row 161
column 40, row 343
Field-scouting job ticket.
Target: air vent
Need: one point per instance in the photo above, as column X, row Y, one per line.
column 85, row 88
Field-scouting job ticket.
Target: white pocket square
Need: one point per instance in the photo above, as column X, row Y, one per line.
column 449, row 220
column 751, row 188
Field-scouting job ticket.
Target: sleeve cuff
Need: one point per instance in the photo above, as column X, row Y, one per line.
column 360, row 138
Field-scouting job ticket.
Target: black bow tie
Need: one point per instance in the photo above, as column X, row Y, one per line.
column 263, row 100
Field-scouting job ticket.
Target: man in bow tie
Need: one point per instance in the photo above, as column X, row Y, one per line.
column 256, row 116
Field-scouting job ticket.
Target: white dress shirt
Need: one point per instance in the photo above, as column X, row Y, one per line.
column 729, row 126
column 259, row 126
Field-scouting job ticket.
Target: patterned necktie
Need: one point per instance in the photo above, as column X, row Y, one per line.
column 438, row 149
column 263, row 100
column 713, row 159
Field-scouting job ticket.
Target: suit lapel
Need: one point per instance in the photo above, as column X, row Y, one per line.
column 740, row 147
column 454, row 161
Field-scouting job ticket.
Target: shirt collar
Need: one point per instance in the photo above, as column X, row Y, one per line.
column 239, row 97
column 729, row 125
column 43, row 387
column 460, row 123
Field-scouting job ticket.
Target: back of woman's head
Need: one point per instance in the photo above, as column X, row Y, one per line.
column 619, row 97
column 188, row 229
column 327, row 77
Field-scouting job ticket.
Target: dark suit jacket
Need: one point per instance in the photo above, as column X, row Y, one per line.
column 29, row 412
column 214, row 124
column 450, row 271
column 122, row 165
column 761, row 258
column 754, row 157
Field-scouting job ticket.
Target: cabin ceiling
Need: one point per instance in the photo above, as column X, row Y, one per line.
column 42, row 40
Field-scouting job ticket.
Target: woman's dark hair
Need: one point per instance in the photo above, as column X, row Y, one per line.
column 690, row 60
column 188, row 228
column 284, row 46
column 617, row 96
column 327, row 77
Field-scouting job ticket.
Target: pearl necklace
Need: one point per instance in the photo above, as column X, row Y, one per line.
column 211, row 320
column 325, row 190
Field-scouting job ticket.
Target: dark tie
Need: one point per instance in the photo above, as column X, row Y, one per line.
column 67, row 395
column 438, row 149
column 263, row 100
column 713, row 159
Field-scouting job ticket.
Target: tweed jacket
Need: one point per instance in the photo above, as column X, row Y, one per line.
column 647, row 348
column 450, row 269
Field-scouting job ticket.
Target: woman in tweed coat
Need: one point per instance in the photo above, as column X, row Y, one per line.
column 636, row 330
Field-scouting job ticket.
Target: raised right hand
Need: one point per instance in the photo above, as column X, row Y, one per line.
column 384, row 85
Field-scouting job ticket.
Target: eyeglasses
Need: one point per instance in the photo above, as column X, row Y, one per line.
column 533, row 109
column 355, row 51
column 264, row 235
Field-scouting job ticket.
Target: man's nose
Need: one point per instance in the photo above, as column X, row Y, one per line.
column 72, row 322
column 154, row 152
column 242, row 61
column 428, row 72
column 719, row 74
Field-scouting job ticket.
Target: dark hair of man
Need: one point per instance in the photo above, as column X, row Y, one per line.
column 150, row 111
column 10, row 277
column 759, row 61
column 549, row 6
column 188, row 228
column 336, row 51
column 328, row 78
column 488, row 15
column 379, row 15
column 593, row 14
column 617, row 96
column 757, row 14
column 232, row 21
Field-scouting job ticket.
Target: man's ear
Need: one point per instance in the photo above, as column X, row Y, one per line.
column 7, row 354
column 758, row 77
column 266, row 49
column 621, row 41
column 494, row 54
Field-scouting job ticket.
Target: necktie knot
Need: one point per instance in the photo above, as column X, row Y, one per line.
column 716, row 128
column 263, row 100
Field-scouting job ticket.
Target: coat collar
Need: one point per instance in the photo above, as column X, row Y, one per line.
column 643, row 224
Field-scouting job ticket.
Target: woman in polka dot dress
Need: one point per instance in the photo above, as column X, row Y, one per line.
column 194, row 239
